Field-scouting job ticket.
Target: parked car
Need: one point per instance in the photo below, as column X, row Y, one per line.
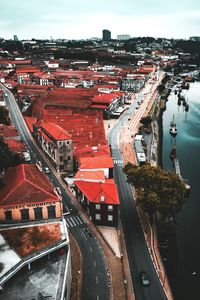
column 144, row 278
column 46, row 170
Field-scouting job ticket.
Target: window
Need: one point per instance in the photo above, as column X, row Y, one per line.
column 38, row 213
column 8, row 215
column 110, row 207
column 25, row 214
column 110, row 218
column 97, row 206
column 97, row 216
column 102, row 198
column 68, row 157
column 61, row 158
column 51, row 211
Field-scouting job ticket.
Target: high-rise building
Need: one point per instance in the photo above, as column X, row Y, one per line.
column 15, row 38
column 123, row 37
column 106, row 35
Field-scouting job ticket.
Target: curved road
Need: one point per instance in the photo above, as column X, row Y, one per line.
column 95, row 284
column 138, row 254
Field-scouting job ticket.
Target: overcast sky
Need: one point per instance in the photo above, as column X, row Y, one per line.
column 80, row 19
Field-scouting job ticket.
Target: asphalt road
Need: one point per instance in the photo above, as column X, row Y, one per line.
column 96, row 282
column 138, row 254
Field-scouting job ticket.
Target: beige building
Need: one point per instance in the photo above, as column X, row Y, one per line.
column 56, row 144
column 28, row 195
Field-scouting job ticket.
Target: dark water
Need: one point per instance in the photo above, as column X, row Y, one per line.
column 185, row 284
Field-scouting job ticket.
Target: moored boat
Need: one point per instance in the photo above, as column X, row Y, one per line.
column 173, row 128
column 173, row 152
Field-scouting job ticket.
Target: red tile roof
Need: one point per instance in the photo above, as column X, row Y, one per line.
column 21, row 62
column 66, row 98
column 92, row 151
column 28, row 186
column 85, row 126
column 57, row 132
column 96, row 176
column 99, row 106
column 104, row 98
column 30, row 121
column 94, row 191
column 8, row 131
column 26, row 69
column 97, row 162
column 16, row 146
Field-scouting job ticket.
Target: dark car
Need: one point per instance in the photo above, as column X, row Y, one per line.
column 144, row 278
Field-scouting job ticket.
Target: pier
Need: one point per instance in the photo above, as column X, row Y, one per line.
column 178, row 172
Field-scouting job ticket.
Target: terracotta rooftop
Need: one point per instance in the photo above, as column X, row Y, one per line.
column 15, row 145
column 80, row 98
column 92, row 151
column 28, row 185
column 8, row 131
column 96, row 191
column 85, row 126
column 104, row 98
column 89, row 176
column 97, row 162
column 57, row 132
column 30, row 121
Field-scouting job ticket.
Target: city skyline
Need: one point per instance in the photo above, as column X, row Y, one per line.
column 85, row 19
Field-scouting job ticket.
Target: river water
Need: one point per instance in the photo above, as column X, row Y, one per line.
column 186, row 279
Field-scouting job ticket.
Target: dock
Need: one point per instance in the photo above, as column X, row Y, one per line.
column 178, row 172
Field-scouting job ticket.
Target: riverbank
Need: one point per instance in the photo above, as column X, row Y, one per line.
column 167, row 242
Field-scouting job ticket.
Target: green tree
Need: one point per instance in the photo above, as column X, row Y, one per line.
column 8, row 158
column 157, row 190
column 4, row 115
column 146, row 121
column 161, row 88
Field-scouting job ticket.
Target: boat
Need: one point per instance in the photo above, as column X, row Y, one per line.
column 179, row 102
column 185, row 85
column 184, row 103
column 187, row 106
column 173, row 152
column 173, row 128
column 173, row 131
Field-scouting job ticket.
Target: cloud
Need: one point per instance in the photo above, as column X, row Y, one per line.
column 86, row 18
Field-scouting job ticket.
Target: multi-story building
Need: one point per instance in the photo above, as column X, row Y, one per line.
column 99, row 196
column 96, row 190
column 56, row 144
column 34, row 241
column 28, row 196
column 123, row 37
column 132, row 83
column 106, row 35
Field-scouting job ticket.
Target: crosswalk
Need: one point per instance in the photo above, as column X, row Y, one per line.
column 118, row 162
column 74, row 221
